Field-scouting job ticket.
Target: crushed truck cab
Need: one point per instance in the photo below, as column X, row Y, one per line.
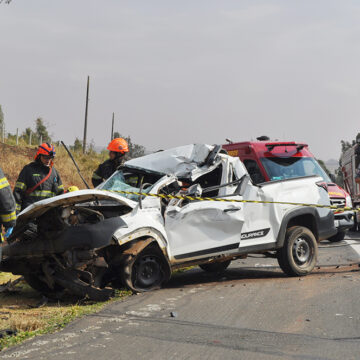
column 161, row 212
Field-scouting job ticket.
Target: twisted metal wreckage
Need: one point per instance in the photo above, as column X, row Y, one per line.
column 91, row 241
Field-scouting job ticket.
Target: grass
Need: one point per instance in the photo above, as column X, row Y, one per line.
column 17, row 312
column 13, row 158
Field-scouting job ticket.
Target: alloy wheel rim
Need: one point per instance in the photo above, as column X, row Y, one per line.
column 148, row 272
column 301, row 251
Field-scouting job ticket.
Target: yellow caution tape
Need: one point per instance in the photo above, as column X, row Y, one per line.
column 197, row 198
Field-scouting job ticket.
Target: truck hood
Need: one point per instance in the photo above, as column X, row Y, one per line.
column 71, row 198
column 183, row 162
column 336, row 191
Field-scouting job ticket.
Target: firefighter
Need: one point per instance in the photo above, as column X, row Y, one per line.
column 7, row 206
column 38, row 180
column 117, row 150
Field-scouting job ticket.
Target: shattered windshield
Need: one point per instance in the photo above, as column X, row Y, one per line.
column 129, row 181
column 286, row 168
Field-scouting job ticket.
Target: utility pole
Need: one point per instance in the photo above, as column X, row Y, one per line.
column 17, row 136
column 86, row 114
column 112, row 127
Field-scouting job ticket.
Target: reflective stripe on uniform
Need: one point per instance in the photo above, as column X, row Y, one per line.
column 8, row 217
column 61, row 187
column 96, row 177
column 20, row 185
column 18, row 207
column 42, row 193
column 3, row 183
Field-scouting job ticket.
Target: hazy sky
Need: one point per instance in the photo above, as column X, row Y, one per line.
column 177, row 72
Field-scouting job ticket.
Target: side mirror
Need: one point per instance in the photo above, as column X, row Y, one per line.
column 332, row 177
column 242, row 185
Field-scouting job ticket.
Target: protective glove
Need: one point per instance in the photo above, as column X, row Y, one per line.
column 8, row 232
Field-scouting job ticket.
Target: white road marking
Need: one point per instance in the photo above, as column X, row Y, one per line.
column 354, row 245
column 138, row 313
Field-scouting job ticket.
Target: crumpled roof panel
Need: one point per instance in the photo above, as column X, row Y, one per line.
column 180, row 161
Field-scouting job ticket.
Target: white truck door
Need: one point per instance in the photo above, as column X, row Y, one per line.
column 203, row 228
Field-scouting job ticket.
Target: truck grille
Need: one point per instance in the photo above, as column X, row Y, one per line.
column 339, row 202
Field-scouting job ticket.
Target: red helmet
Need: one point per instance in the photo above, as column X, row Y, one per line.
column 45, row 149
column 119, row 145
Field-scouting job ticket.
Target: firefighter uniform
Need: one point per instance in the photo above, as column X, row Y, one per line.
column 29, row 177
column 118, row 147
column 105, row 170
column 7, row 203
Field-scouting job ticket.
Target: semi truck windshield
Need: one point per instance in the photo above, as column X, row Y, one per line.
column 279, row 168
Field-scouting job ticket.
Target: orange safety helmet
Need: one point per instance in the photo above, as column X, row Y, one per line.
column 118, row 145
column 45, row 149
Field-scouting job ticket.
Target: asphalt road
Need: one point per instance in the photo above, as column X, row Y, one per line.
column 252, row 311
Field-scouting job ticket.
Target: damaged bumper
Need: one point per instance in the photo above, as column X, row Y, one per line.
column 344, row 221
column 86, row 236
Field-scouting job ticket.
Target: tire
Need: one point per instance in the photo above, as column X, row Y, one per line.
column 216, row 267
column 339, row 236
column 356, row 225
column 145, row 271
column 298, row 255
column 42, row 287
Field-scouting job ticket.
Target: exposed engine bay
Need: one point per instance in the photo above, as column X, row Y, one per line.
column 66, row 248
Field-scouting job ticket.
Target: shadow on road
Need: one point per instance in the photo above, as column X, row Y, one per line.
column 243, row 275
column 353, row 235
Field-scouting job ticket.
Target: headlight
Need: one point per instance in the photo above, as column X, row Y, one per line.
column 348, row 202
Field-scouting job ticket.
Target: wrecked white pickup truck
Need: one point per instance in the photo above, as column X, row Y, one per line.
column 89, row 241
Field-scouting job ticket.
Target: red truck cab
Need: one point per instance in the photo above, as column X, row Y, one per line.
column 278, row 160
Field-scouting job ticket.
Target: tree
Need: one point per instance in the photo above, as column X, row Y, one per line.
column 41, row 131
column 345, row 145
column 322, row 164
column 91, row 147
column 135, row 150
column 1, row 118
column 339, row 177
column 77, row 145
column 26, row 135
column 357, row 139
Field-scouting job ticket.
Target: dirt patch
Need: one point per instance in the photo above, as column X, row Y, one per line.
column 13, row 159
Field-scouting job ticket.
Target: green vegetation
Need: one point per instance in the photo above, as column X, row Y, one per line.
column 135, row 150
column 322, row 164
column 19, row 312
column 1, row 118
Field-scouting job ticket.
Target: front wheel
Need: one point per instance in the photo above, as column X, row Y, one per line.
column 298, row 255
column 145, row 271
